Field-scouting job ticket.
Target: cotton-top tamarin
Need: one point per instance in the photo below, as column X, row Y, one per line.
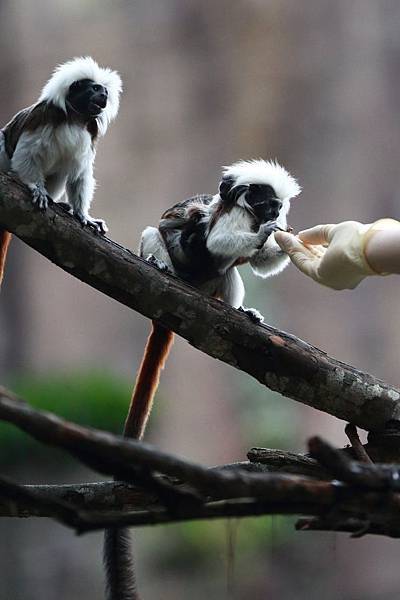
column 51, row 145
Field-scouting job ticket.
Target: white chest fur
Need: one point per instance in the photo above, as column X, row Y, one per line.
column 66, row 148
column 61, row 150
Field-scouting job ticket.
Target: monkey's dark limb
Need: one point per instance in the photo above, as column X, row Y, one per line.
column 277, row 359
column 360, row 453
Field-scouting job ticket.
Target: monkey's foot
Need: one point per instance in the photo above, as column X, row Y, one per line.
column 97, row 224
column 253, row 314
column 156, row 262
column 39, row 195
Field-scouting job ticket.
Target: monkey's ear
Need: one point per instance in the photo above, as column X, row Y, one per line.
column 225, row 187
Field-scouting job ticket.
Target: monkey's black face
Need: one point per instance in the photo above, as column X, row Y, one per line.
column 260, row 198
column 87, row 98
column 263, row 202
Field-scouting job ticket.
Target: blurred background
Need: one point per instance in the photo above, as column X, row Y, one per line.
column 314, row 84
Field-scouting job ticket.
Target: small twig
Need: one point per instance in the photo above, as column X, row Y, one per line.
column 357, row 527
column 279, row 461
column 372, row 476
column 359, row 450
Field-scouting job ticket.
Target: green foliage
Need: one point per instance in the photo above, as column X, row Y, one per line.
column 198, row 544
column 92, row 399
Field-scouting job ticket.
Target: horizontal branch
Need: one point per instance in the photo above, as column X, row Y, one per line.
column 276, row 359
column 279, row 461
column 91, row 506
column 115, row 455
column 383, row 447
column 93, row 496
column 179, row 490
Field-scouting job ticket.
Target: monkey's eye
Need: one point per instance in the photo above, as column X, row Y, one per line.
column 97, row 88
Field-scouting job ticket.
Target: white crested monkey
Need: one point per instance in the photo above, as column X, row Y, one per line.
column 202, row 240
column 51, row 145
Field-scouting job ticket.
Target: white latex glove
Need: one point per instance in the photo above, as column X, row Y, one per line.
column 334, row 255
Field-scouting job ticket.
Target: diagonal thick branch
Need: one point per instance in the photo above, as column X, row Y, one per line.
column 276, row 359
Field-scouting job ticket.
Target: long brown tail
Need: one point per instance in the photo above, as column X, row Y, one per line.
column 117, row 556
column 5, row 239
column 156, row 352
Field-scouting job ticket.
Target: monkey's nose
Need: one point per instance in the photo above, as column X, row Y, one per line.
column 276, row 204
column 102, row 100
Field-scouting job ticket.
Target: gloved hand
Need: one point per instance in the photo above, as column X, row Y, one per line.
column 334, row 255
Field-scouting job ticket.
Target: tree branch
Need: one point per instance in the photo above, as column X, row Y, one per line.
column 174, row 489
column 276, row 359
column 279, row 461
column 99, row 496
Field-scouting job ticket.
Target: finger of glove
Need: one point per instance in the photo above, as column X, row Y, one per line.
column 286, row 241
column 320, row 234
column 305, row 259
column 290, row 243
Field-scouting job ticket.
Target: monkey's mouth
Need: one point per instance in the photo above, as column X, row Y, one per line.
column 95, row 108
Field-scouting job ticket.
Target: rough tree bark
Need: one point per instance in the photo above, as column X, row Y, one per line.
column 357, row 497
column 276, row 359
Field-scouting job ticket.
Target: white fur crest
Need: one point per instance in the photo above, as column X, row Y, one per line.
column 264, row 172
column 56, row 89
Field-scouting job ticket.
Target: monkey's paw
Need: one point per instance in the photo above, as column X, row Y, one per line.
column 267, row 228
column 97, row 224
column 254, row 315
column 39, row 195
column 264, row 232
column 156, row 262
